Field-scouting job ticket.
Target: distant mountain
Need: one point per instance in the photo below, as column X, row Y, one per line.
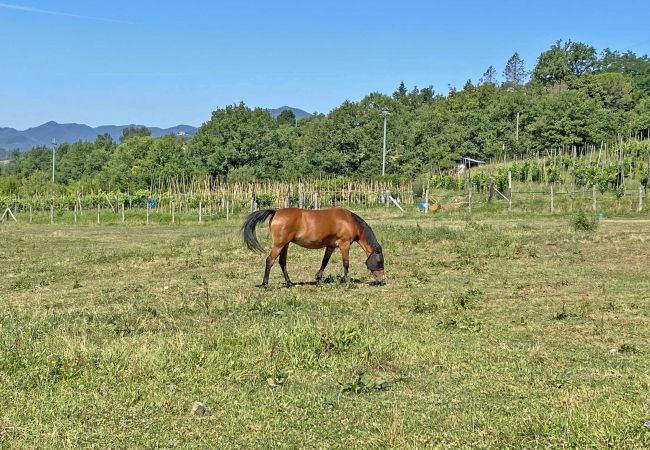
column 11, row 138
column 72, row 132
column 299, row 113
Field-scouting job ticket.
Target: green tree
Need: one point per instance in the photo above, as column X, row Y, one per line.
column 570, row 118
column 514, row 72
column 563, row 61
column 129, row 132
column 235, row 136
column 489, row 76
column 286, row 117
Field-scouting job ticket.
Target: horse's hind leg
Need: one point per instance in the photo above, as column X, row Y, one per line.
column 283, row 264
column 269, row 263
column 326, row 259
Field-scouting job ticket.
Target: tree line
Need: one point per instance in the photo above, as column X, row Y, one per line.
column 573, row 96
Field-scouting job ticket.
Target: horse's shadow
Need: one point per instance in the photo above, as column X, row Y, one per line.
column 326, row 281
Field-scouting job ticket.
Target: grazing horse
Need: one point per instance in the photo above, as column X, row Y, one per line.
column 327, row 228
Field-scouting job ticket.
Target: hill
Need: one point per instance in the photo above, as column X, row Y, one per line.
column 11, row 138
column 299, row 113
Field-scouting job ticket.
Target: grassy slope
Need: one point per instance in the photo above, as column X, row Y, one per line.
column 494, row 333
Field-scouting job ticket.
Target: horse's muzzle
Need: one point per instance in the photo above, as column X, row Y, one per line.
column 380, row 280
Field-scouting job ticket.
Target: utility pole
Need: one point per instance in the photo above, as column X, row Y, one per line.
column 385, row 113
column 53, row 157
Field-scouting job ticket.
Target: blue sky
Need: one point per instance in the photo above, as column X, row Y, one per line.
column 161, row 63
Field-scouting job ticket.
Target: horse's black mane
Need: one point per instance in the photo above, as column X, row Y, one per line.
column 368, row 234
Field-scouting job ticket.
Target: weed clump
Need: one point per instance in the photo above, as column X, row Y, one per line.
column 581, row 221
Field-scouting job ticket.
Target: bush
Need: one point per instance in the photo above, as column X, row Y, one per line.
column 264, row 200
column 581, row 221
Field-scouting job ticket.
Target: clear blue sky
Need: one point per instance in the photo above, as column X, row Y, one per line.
column 161, row 63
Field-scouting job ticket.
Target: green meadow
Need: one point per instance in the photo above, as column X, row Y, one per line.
column 491, row 332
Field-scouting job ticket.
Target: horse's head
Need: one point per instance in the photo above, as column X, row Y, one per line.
column 375, row 264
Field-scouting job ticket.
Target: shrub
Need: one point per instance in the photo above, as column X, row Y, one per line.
column 581, row 221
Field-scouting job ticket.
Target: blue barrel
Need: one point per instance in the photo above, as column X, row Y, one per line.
column 422, row 206
column 152, row 203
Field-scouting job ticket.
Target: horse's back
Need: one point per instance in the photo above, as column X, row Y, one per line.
column 313, row 228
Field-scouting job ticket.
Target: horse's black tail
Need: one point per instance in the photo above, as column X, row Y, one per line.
column 249, row 228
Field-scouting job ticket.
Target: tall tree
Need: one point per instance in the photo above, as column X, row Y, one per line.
column 581, row 58
column 515, row 73
column 564, row 61
column 552, row 65
column 489, row 76
column 401, row 92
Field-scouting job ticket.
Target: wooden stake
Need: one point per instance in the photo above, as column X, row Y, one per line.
column 30, row 213
column 51, row 214
column 99, row 209
column 426, row 199
column 123, row 218
column 147, row 208
column 640, row 207
column 509, row 190
column 201, row 211
column 173, row 213
column 227, row 212
column 552, row 201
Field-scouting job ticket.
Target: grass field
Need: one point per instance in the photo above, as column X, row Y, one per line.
column 490, row 333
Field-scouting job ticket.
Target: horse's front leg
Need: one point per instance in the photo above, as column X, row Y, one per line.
column 326, row 259
column 345, row 256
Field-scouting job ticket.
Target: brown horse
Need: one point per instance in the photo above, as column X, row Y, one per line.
column 327, row 228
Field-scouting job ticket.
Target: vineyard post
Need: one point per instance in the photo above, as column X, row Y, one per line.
column 74, row 209
column 315, row 200
column 490, row 190
column 227, row 210
column 99, row 208
column 123, row 218
column 552, row 201
column 509, row 190
column 640, row 207
column 173, row 213
column 426, row 200
column 30, row 213
column 469, row 197
column 51, row 214
column 200, row 210
column 593, row 197
column 147, row 208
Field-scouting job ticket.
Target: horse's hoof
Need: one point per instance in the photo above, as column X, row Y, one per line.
column 290, row 285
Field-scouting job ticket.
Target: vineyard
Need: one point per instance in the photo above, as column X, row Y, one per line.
column 617, row 179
